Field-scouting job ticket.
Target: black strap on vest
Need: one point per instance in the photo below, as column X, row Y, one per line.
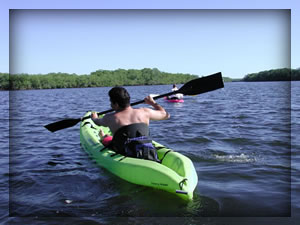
column 125, row 132
column 129, row 131
column 133, row 141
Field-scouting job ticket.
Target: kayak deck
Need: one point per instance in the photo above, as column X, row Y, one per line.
column 176, row 174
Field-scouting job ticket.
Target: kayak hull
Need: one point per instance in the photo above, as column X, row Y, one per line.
column 176, row 174
column 174, row 100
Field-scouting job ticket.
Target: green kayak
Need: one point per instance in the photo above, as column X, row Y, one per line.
column 175, row 174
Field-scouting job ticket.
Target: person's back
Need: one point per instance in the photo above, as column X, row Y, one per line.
column 125, row 115
column 130, row 115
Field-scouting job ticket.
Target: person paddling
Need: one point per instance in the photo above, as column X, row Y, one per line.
column 126, row 122
column 176, row 96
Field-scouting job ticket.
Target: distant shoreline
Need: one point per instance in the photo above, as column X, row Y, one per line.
column 122, row 77
column 283, row 74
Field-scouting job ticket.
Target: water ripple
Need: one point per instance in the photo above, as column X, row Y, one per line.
column 238, row 139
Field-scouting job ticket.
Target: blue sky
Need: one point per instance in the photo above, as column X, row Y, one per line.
column 234, row 37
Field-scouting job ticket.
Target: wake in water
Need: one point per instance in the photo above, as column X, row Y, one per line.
column 238, row 158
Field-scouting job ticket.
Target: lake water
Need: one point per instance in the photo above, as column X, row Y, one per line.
column 242, row 140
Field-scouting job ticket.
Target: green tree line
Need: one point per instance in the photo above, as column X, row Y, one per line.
column 4, row 81
column 99, row 78
column 122, row 77
column 283, row 74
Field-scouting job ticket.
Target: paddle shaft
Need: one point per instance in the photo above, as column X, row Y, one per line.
column 132, row 104
column 193, row 87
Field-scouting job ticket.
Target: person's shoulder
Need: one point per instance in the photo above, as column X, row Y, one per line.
column 144, row 110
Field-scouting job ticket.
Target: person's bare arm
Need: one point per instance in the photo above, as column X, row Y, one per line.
column 99, row 121
column 159, row 113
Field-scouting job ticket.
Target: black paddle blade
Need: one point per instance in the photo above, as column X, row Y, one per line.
column 62, row 124
column 202, row 85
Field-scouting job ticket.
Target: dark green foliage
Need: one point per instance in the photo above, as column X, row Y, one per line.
column 228, row 79
column 4, row 81
column 284, row 74
column 122, row 77
column 99, row 78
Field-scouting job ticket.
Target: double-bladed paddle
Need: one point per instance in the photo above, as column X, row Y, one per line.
column 193, row 87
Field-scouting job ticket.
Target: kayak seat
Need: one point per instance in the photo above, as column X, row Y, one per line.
column 134, row 141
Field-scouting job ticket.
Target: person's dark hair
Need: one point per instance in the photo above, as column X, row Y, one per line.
column 119, row 95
